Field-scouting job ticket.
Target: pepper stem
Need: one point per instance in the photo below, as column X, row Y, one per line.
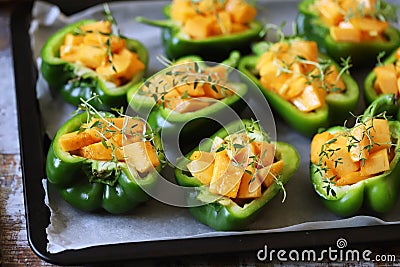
column 157, row 23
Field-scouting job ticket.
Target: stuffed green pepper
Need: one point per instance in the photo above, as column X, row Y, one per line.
column 361, row 165
column 209, row 29
column 98, row 161
column 236, row 173
column 87, row 59
column 356, row 28
column 305, row 87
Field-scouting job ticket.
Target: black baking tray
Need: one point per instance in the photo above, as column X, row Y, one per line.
column 34, row 144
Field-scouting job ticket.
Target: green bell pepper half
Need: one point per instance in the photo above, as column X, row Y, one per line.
column 169, row 120
column 74, row 81
column 216, row 48
column 224, row 214
column 380, row 192
column 310, row 26
column 92, row 185
column 337, row 108
column 369, row 92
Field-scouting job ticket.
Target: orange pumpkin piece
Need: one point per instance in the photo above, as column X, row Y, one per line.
column 69, row 52
column 202, row 166
column 190, row 90
column 193, row 104
column 226, row 177
column 182, row 10
column 340, row 161
column 240, row 11
column 316, row 145
column 250, row 186
column 91, row 57
column 379, row 130
column 268, row 174
column 330, row 12
column 265, row 152
column 345, row 34
column 351, row 178
column 98, row 151
column 308, row 100
column 76, row 140
column 216, row 91
column 223, row 24
column 199, row 27
column 103, row 26
column 377, row 162
column 142, row 156
column 71, row 39
column 386, row 79
column 360, row 148
column 369, row 24
column 99, row 40
column 306, row 49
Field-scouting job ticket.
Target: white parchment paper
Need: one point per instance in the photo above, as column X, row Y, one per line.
column 302, row 209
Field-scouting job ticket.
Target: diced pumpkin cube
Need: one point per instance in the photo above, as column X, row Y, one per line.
column 250, row 186
column 99, row 40
column 351, row 178
column 182, row 10
column 330, row 12
column 377, row 162
column 268, row 174
column 142, row 156
column 360, row 142
column 120, row 68
column 306, row 49
column 265, row 58
column 265, row 153
column 379, row 130
column 214, row 91
column 69, row 53
column 91, row 57
column 190, row 90
column 226, row 177
column 296, row 87
column 316, row 145
column 76, row 140
column 308, row 100
column 103, row 26
column 340, row 160
column 192, row 104
column 369, row 24
column 72, row 39
column 134, row 67
column 240, row 11
column 204, row 6
column 386, row 79
column 98, row 151
column 202, row 166
column 198, row 27
column 345, row 34
column 172, row 99
column 223, row 24
column 333, row 81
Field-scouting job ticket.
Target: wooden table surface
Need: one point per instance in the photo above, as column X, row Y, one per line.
column 14, row 248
